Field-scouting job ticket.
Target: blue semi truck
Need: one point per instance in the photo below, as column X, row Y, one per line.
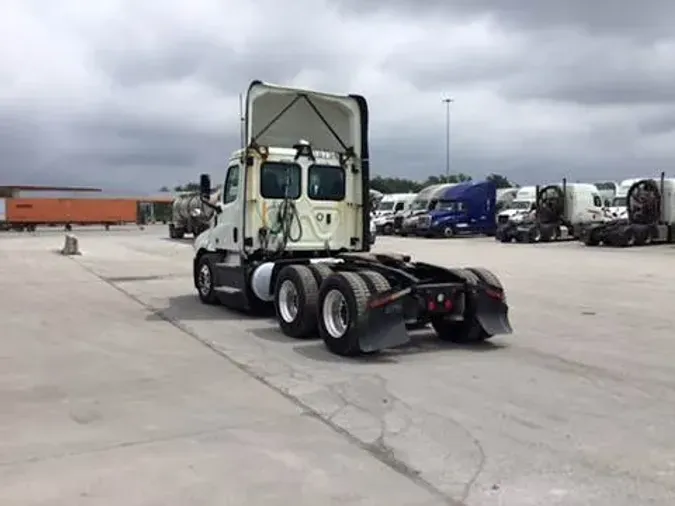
column 465, row 208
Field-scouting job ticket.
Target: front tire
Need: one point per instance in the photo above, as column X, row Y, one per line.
column 295, row 301
column 205, row 280
column 343, row 313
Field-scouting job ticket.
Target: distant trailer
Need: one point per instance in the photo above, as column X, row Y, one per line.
column 29, row 213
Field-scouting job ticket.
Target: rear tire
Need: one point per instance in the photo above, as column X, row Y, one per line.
column 321, row 272
column 295, row 301
column 468, row 330
column 343, row 313
column 591, row 238
column 461, row 332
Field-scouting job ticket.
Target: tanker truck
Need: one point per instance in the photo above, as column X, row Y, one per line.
column 189, row 215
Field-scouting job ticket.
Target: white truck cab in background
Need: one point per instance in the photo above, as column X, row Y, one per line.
column 520, row 207
column 390, row 206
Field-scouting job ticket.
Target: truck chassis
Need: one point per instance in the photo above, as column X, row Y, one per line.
column 643, row 226
column 534, row 232
column 624, row 234
column 361, row 303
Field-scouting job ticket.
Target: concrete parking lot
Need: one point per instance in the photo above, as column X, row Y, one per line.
column 118, row 387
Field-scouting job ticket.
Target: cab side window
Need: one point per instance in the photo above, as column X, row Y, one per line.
column 399, row 207
column 231, row 188
column 597, row 201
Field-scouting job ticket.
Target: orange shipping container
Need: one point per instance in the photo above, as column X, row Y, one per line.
column 75, row 211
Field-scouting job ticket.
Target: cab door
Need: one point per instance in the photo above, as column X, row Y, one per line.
column 227, row 224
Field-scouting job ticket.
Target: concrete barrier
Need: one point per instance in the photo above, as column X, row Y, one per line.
column 71, row 246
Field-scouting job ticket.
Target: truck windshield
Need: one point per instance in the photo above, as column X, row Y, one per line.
column 279, row 180
column 419, row 205
column 619, row 202
column 326, row 182
column 449, row 205
column 520, row 204
column 385, row 206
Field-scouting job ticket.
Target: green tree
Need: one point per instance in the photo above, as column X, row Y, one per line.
column 189, row 187
column 500, row 181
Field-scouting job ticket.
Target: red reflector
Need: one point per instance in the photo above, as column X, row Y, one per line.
column 494, row 294
column 431, row 306
column 448, row 304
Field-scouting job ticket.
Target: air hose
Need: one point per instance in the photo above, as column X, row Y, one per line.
column 286, row 216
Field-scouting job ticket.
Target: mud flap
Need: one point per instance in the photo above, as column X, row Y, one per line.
column 386, row 328
column 492, row 314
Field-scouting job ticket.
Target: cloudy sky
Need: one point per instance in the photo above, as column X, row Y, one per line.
column 135, row 95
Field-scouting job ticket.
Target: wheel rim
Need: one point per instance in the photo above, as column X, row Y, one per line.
column 537, row 236
column 204, row 280
column 448, row 232
column 335, row 314
column 288, row 301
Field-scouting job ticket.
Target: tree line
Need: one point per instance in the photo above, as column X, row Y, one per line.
column 391, row 184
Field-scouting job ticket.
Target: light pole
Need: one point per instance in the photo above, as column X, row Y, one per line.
column 447, row 102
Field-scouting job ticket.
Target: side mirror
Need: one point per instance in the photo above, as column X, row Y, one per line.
column 205, row 185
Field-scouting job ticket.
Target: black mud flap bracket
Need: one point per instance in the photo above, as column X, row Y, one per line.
column 386, row 322
column 492, row 312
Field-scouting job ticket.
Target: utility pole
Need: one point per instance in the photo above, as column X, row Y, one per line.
column 447, row 102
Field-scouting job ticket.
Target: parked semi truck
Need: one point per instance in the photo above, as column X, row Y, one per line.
column 465, row 208
column 303, row 249
column 504, row 198
column 561, row 211
column 523, row 203
column 607, row 191
column 424, row 202
column 189, row 215
column 650, row 217
column 29, row 213
column 390, row 207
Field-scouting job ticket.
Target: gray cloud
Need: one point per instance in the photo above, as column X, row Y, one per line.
column 133, row 97
column 646, row 20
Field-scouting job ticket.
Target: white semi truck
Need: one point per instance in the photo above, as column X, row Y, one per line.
column 561, row 211
column 290, row 232
column 649, row 218
column 390, row 207
column 520, row 207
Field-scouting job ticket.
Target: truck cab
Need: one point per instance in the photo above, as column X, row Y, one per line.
column 523, row 203
column 391, row 206
column 465, row 208
column 618, row 205
column 607, row 190
column 291, row 233
column 561, row 212
column 425, row 201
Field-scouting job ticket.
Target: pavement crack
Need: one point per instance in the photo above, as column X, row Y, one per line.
column 379, row 451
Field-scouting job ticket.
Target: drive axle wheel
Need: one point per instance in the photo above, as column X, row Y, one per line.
column 295, row 298
column 591, row 237
column 466, row 331
column 342, row 315
column 535, row 234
